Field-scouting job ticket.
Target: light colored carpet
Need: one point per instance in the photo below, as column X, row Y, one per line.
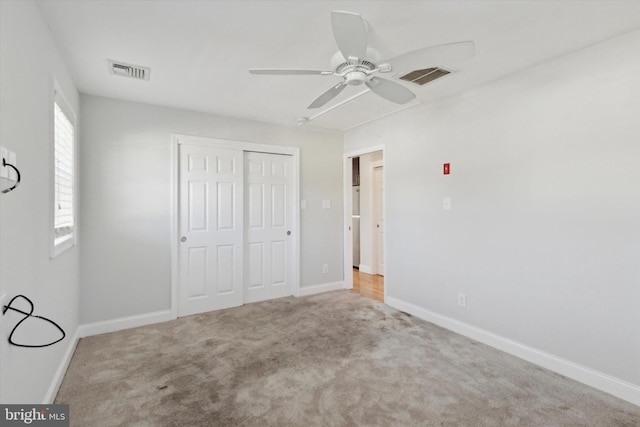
column 334, row 359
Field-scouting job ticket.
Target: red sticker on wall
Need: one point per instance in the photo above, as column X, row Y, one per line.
column 446, row 168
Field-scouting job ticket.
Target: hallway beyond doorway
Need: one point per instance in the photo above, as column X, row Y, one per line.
column 369, row 285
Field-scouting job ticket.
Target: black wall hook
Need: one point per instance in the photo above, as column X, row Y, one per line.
column 26, row 316
column 5, row 164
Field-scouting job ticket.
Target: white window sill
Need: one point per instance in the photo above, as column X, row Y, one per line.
column 62, row 244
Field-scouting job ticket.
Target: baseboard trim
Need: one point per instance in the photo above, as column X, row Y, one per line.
column 601, row 381
column 56, row 382
column 365, row 269
column 318, row 289
column 114, row 325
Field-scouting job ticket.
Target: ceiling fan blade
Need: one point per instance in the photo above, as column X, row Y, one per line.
column 288, row 72
column 432, row 56
column 391, row 91
column 327, row 96
column 350, row 33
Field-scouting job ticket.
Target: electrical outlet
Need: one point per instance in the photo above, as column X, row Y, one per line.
column 303, row 204
column 325, row 268
column 462, row 299
column 326, row 204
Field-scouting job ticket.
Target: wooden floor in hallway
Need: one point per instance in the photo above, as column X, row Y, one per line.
column 369, row 285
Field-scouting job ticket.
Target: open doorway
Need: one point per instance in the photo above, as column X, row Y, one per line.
column 364, row 220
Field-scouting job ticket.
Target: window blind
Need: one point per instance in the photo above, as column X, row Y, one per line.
column 63, row 171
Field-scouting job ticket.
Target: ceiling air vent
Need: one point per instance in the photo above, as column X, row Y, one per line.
column 128, row 70
column 421, row 77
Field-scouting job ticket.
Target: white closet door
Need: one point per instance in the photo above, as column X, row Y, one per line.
column 268, row 222
column 211, row 229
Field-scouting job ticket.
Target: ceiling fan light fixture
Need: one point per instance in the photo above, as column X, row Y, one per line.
column 355, row 78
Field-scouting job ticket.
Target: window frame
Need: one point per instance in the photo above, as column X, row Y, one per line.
column 59, row 245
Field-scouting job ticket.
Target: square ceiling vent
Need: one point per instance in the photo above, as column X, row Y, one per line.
column 422, row 77
column 128, row 70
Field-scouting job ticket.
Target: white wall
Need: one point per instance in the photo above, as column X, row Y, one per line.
column 29, row 62
column 126, row 201
column 544, row 231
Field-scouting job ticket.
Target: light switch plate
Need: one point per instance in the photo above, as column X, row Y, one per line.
column 446, row 203
column 303, row 204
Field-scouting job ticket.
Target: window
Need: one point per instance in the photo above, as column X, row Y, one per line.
column 63, row 199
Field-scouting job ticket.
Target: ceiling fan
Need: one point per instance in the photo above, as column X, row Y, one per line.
column 357, row 63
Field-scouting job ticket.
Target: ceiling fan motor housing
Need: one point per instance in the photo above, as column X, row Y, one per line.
column 356, row 73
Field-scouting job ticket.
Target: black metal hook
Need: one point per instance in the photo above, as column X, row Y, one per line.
column 26, row 316
column 5, row 164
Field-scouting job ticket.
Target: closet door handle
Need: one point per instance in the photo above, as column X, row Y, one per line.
column 183, row 239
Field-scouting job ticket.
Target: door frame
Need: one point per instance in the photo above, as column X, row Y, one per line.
column 348, row 233
column 176, row 140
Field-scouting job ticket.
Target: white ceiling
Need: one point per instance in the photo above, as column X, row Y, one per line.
column 199, row 51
